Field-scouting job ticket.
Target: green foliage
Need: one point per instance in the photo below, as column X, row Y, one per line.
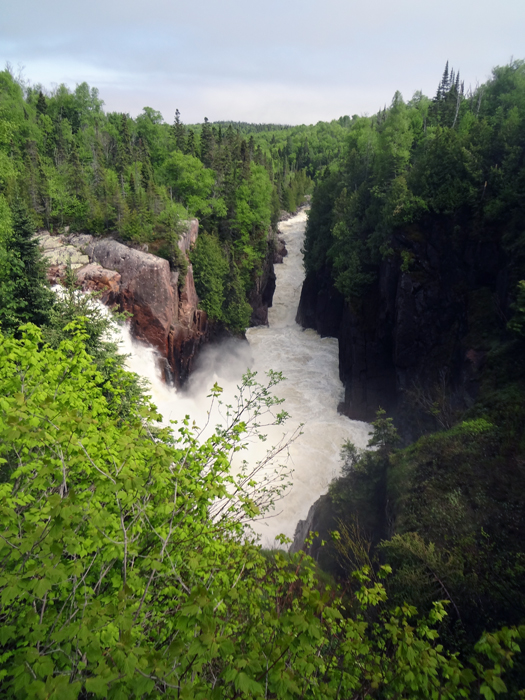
column 211, row 269
column 384, row 434
column 99, row 324
column 446, row 513
column 74, row 165
column 127, row 569
column 237, row 312
column 190, row 183
column 454, row 161
column 24, row 292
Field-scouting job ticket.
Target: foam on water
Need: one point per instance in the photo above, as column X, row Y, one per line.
column 312, row 389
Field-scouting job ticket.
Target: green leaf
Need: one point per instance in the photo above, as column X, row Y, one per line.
column 97, row 685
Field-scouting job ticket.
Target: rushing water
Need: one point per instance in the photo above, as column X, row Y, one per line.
column 312, row 389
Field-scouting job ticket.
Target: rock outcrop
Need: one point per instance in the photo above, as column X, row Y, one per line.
column 163, row 306
column 94, row 278
column 280, row 251
column 317, row 527
column 146, row 291
column 261, row 295
column 164, row 309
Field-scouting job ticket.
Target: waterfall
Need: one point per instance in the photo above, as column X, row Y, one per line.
column 312, row 389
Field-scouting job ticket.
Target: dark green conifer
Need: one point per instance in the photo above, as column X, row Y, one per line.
column 41, row 103
column 190, row 144
column 445, row 80
column 124, row 147
column 25, row 294
column 179, row 132
column 207, row 144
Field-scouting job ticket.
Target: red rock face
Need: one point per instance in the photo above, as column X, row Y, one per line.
column 145, row 290
column 187, row 240
column 94, row 278
column 163, row 315
column 189, row 300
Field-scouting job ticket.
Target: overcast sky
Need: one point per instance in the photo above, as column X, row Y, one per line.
column 287, row 61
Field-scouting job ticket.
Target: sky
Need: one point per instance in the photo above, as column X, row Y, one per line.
column 286, row 61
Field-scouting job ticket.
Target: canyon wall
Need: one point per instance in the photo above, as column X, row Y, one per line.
column 418, row 336
column 163, row 307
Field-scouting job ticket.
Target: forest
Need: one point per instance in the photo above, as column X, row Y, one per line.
column 424, row 210
column 128, row 566
column 70, row 164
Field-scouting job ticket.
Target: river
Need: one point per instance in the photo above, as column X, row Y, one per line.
column 312, row 389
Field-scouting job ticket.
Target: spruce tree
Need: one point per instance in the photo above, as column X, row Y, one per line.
column 24, row 292
column 179, row 132
column 445, row 81
column 190, row 149
column 41, row 104
column 207, row 144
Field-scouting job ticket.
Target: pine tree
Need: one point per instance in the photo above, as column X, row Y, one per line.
column 124, row 147
column 245, row 160
column 445, row 81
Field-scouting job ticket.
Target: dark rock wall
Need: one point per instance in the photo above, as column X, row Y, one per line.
column 413, row 328
column 261, row 296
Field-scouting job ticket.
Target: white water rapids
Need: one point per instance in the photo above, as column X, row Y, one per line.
column 312, row 389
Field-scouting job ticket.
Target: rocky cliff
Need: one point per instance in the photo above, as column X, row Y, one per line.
column 163, row 306
column 261, row 296
column 164, row 309
column 414, row 343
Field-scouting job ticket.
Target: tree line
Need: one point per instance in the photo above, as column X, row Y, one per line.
column 71, row 164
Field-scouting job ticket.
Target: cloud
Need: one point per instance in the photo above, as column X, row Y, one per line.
column 286, row 61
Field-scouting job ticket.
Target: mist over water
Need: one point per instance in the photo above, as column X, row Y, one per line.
column 312, row 390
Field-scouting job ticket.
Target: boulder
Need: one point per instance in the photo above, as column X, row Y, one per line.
column 64, row 255
column 59, row 253
column 48, row 242
column 280, row 251
column 80, row 241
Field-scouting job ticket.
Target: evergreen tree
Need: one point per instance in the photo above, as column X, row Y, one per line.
column 190, row 149
column 24, row 292
column 124, row 148
column 179, row 132
column 445, row 80
column 41, row 104
column 207, row 144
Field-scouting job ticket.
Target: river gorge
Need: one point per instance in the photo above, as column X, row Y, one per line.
column 311, row 390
